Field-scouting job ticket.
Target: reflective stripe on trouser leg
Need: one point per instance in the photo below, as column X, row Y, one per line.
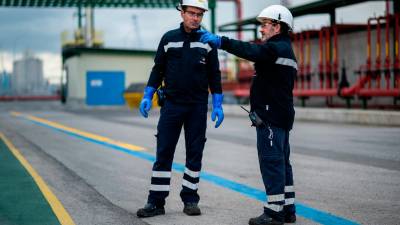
column 190, row 179
column 275, row 202
column 168, row 131
column 289, row 196
column 289, row 207
column 272, row 166
column 159, row 188
column 195, row 130
column 160, row 181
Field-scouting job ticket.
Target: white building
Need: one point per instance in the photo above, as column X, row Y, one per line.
column 27, row 76
column 100, row 76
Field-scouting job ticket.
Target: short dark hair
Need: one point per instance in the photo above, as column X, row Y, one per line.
column 184, row 7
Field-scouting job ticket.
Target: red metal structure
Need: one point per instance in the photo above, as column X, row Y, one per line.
column 390, row 89
column 378, row 77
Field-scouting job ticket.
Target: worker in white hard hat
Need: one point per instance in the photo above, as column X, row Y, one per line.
column 272, row 111
column 188, row 69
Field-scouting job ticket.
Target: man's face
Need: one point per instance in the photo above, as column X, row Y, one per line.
column 192, row 17
column 268, row 29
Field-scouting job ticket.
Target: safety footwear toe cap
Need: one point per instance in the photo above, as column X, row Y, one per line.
column 150, row 210
column 191, row 209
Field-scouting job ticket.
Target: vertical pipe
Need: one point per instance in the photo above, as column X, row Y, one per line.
column 328, row 57
column 299, row 72
column 308, row 67
column 79, row 16
column 239, row 16
column 387, row 43
column 88, row 27
column 302, row 59
column 335, row 56
column 296, row 52
column 369, row 61
column 397, row 59
column 378, row 54
column 213, row 20
column 321, row 58
column 212, row 4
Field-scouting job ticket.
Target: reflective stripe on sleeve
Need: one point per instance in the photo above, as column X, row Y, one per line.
column 286, row 62
column 173, row 45
column 200, row 45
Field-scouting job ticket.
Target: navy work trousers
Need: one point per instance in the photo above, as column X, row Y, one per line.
column 174, row 116
column 273, row 155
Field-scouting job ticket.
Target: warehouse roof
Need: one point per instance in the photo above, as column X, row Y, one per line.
column 76, row 51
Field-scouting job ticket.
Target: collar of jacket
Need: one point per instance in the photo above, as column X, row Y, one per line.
column 278, row 37
column 193, row 33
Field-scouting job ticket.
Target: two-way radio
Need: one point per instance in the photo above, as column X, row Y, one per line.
column 254, row 118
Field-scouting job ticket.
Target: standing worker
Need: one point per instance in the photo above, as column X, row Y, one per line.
column 188, row 69
column 272, row 110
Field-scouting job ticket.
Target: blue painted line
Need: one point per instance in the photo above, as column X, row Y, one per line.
column 302, row 210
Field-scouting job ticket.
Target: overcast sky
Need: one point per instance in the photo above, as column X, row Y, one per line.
column 39, row 29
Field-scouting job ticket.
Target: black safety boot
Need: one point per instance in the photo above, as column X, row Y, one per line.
column 191, row 209
column 264, row 219
column 290, row 218
column 150, row 210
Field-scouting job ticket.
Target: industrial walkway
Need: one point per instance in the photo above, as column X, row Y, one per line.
column 93, row 166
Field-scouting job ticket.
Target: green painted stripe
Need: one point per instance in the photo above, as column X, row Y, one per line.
column 21, row 201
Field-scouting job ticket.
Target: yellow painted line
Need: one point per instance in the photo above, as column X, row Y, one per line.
column 63, row 217
column 81, row 133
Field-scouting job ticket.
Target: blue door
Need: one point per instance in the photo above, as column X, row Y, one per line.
column 105, row 87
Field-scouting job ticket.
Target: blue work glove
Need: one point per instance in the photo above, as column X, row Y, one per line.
column 145, row 104
column 217, row 109
column 212, row 39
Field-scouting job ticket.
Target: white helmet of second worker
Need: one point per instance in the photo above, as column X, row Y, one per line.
column 278, row 13
column 202, row 4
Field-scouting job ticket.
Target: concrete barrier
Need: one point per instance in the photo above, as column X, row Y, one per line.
column 354, row 116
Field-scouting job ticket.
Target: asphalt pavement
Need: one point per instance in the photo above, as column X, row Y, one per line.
column 97, row 162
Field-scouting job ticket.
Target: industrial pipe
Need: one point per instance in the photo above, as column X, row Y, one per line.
column 396, row 63
column 328, row 58
column 308, row 64
column 387, row 43
column 377, row 74
column 354, row 89
column 335, row 56
column 296, row 52
column 301, row 59
column 320, row 60
column 369, row 62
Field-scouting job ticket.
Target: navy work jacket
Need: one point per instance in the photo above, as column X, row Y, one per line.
column 271, row 93
column 187, row 67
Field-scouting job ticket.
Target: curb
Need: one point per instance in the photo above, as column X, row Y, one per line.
column 353, row 116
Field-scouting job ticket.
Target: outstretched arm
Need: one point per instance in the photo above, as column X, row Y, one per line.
column 250, row 51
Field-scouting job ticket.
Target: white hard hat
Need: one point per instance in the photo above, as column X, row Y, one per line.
column 277, row 12
column 202, row 4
